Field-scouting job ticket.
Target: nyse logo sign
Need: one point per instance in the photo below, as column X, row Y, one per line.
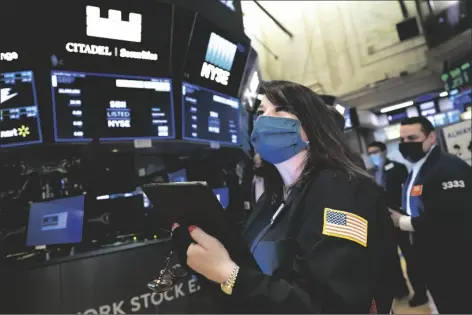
column 8, row 56
column 219, row 59
column 113, row 27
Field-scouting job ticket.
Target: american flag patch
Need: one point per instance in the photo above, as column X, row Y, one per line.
column 345, row 225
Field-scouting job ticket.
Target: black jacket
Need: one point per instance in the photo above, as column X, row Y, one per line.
column 445, row 219
column 443, row 229
column 395, row 175
column 307, row 271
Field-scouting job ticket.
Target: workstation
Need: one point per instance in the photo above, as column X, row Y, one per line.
column 88, row 116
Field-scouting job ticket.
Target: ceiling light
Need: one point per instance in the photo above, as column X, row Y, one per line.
column 443, row 94
column 395, row 107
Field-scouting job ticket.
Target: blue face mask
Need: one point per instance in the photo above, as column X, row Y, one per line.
column 277, row 139
column 376, row 159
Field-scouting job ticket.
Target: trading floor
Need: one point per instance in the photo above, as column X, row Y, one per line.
column 402, row 307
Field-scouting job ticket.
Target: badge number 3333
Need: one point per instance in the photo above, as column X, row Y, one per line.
column 453, row 184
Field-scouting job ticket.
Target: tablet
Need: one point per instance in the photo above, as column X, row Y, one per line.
column 194, row 203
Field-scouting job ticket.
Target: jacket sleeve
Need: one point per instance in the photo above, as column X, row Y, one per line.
column 329, row 274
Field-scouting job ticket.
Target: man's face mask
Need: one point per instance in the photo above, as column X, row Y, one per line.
column 376, row 159
column 412, row 151
column 277, row 139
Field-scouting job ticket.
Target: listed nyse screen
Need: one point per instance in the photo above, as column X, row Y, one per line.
column 209, row 116
column 111, row 107
column 19, row 118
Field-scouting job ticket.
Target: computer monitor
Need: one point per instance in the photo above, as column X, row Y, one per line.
column 117, row 37
column 215, row 59
column 178, row 176
column 111, row 107
column 54, row 222
column 19, row 117
column 208, row 116
column 222, row 194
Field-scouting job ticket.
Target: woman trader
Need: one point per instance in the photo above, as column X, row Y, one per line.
column 318, row 237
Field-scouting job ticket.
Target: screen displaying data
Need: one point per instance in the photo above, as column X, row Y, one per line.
column 19, row 117
column 57, row 221
column 209, row 116
column 111, row 107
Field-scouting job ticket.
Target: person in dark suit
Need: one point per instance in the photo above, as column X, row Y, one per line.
column 436, row 199
column 391, row 176
column 321, row 236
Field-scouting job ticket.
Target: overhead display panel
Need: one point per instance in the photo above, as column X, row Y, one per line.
column 214, row 60
column 111, row 107
column 19, row 117
column 111, row 70
column 251, row 81
column 121, row 37
column 209, row 116
column 19, row 110
column 457, row 77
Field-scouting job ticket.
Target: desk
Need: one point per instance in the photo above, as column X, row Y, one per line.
column 105, row 281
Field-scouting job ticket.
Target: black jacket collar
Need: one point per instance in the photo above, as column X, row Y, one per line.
column 431, row 161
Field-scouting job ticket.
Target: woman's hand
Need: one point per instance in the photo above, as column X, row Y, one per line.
column 208, row 256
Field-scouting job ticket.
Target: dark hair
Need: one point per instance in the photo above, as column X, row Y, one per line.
column 328, row 147
column 338, row 117
column 379, row 145
column 426, row 125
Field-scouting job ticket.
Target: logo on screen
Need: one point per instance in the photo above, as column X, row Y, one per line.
column 219, row 59
column 113, row 27
column 54, row 221
column 9, row 56
column 23, row 131
column 5, row 95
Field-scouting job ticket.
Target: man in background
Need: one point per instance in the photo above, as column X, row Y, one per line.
column 436, row 199
column 391, row 176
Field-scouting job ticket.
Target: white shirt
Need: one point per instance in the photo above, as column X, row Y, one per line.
column 405, row 221
column 258, row 186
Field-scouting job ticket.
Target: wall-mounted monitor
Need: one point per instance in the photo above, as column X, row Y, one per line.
column 251, row 81
column 19, row 117
column 457, row 77
column 214, row 60
column 445, row 104
column 120, row 37
column 209, row 116
column 351, row 119
column 56, row 222
column 178, row 176
column 427, row 108
column 111, row 107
